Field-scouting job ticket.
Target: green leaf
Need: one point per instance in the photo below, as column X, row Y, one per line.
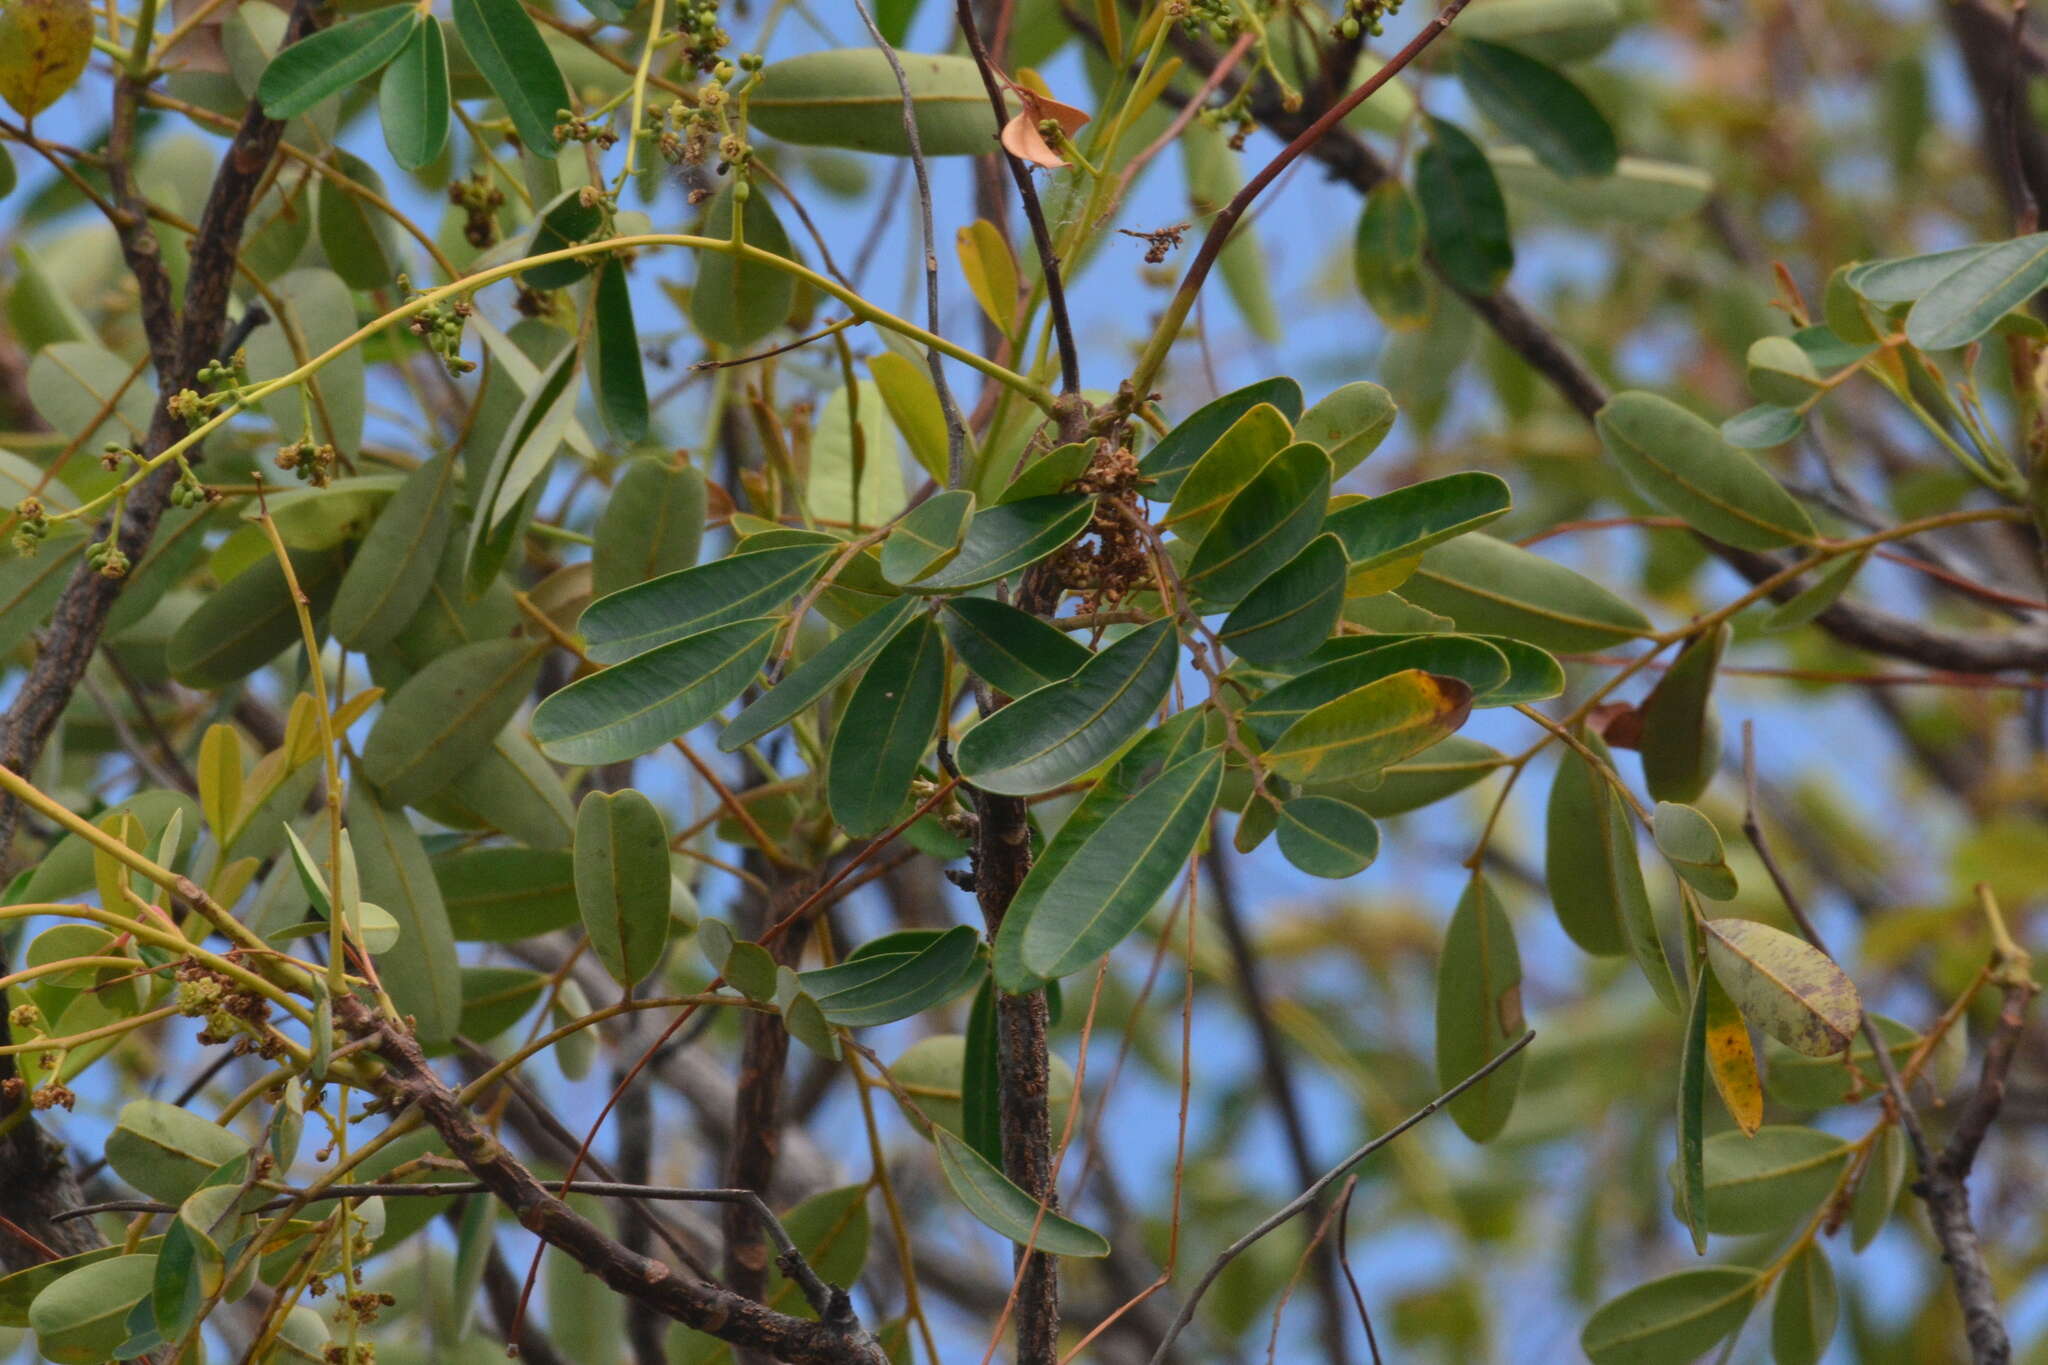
column 817, row 675
column 981, row 1114
column 1154, row 752
column 1225, row 467
column 1363, row 731
column 1010, row 537
column 358, row 240
column 251, row 619
column 1877, row 1193
column 1778, row 370
column 616, row 376
column 1168, row 462
column 1968, row 301
column 1355, row 660
column 393, row 571
column 1409, row 520
column 324, row 63
column 1348, row 422
column 562, row 222
column 1293, row 610
column 1803, row 1082
column 856, row 473
column 1762, row 427
column 928, row 536
column 1784, row 985
column 19, row 1290
column 507, row 49
column 512, row 789
column 622, row 876
column 1554, row 30
column 424, row 980
column 1464, row 212
column 167, row 1152
column 513, row 478
column 1640, row 191
column 1010, row 650
column 736, row 301
column 1803, row 1318
column 1443, row 769
column 1590, row 864
column 738, row 587
column 636, row 706
column 81, row 1318
column 317, row 306
column 1325, row 837
column 1905, row 279
column 1689, row 1177
column 1816, row 597
column 1386, row 256
column 1479, row 1011
column 849, row 98
column 1265, row 524
column 1681, row 462
column 71, row 382
column 1770, row 1181
column 1679, row 1317
column 413, row 98
column 653, row 524
column 1538, row 107
column 1533, row 675
column 1055, row 734
column 886, row 727
column 869, row 991
column 1081, row 908
column 497, row 895
column 443, row 719
column 999, row 1205
column 1691, row 844
column 1490, row 587
column 1681, row 741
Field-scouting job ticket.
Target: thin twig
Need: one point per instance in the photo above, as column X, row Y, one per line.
column 956, row 428
column 1034, row 212
column 1315, row 1191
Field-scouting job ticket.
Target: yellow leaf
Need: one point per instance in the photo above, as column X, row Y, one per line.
column 991, row 271
column 43, row 48
column 1731, row 1060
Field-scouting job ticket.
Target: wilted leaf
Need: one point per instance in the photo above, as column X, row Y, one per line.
column 1784, row 986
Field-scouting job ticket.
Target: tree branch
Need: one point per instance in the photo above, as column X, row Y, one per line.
column 1034, row 213
column 1349, row 159
column 837, row 1338
column 1943, row 1184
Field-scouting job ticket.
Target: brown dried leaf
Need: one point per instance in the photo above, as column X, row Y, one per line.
column 1021, row 137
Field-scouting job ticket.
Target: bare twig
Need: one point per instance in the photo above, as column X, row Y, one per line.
column 1034, row 212
column 1276, row 1073
column 1309, row 1196
column 956, row 427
